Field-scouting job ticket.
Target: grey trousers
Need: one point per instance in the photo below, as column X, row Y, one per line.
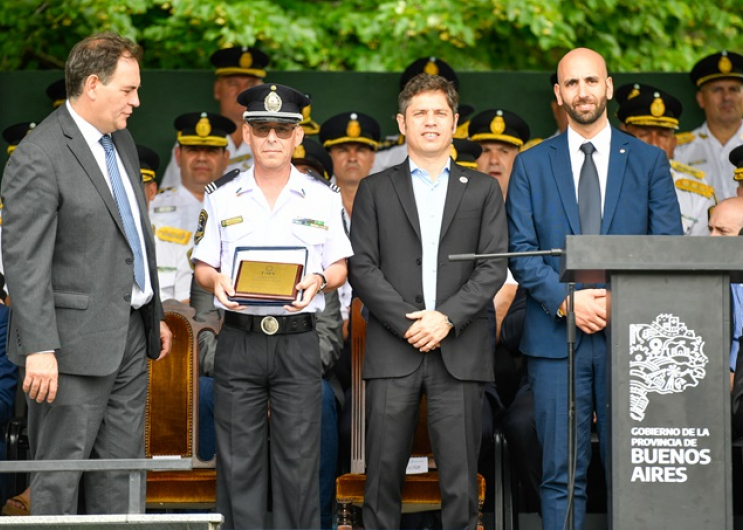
column 91, row 417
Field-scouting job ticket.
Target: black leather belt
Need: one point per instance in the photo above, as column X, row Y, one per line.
column 271, row 325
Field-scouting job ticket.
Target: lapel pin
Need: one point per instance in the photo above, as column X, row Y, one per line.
column 621, row 151
column 463, row 180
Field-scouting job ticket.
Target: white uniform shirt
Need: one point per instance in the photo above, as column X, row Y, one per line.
column 706, row 153
column 387, row 158
column 174, row 213
column 240, row 158
column 252, row 223
column 695, row 198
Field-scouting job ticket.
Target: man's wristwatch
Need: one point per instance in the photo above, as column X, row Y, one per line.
column 324, row 281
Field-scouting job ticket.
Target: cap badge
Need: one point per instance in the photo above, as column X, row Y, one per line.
column 657, row 107
column 246, row 60
column 431, row 67
column 299, row 152
column 353, row 129
column 453, row 152
column 635, row 92
column 725, row 65
column 203, row 127
column 273, row 102
column 498, row 125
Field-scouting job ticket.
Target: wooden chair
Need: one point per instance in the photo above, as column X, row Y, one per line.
column 421, row 491
column 172, row 416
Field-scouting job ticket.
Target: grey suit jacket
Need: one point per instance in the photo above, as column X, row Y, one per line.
column 385, row 270
column 67, row 262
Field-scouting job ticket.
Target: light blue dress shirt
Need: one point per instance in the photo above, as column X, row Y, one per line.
column 736, row 291
column 429, row 201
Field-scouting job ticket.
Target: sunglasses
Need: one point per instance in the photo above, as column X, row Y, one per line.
column 262, row 130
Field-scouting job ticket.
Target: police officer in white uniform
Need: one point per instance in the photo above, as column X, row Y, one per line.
column 236, row 69
column 719, row 80
column 652, row 115
column 268, row 355
column 201, row 154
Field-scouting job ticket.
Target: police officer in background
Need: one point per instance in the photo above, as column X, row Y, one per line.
column 652, row 115
column 719, row 81
column 236, row 69
column 201, row 154
column 501, row 134
column 149, row 162
column 269, row 355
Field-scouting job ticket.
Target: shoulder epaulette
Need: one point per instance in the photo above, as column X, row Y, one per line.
column 684, row 137
column 318, row 177
column 165, row 190
column 689, row 170
column 221, row 181
column 696, row 187
column 531, row 143
column 240, row 158
column 174, row 235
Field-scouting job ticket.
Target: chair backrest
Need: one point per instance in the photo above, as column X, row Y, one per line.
column 171, row 421
column 421, row 441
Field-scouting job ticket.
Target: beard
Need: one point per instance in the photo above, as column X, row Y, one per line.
column 586, row 118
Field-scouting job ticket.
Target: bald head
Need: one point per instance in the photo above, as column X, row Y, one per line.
column 583, row 89
column 726, row 218
column 581, row 58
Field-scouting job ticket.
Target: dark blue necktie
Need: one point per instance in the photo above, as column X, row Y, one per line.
column 125, row 210
column 589, row 193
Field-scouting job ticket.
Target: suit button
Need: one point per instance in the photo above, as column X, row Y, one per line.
column 129, row 261
column 418, row 261
column 419, row 299
column 128, row 297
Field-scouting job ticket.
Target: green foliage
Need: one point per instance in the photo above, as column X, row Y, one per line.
column 379, row 35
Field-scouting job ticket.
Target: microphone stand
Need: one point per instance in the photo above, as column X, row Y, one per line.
column 570, row 340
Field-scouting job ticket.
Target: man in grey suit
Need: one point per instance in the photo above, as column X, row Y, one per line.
column 427, row 330
column 80, row 262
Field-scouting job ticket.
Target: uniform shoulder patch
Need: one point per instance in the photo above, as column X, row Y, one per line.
column 203, row 216
column 172, row 234
column 694, row 186
column 684, row 137
column 221, row 181
column 688, row 170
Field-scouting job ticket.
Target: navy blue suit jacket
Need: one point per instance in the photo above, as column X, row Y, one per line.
column 542, row 209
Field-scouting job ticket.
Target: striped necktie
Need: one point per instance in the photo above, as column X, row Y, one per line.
column 125, row 210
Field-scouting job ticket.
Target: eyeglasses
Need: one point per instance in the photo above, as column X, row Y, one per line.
column 262, row 130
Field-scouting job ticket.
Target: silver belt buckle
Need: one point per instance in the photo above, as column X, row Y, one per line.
column 269, row 325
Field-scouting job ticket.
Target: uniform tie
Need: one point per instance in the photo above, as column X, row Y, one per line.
column 125, row 210
column 589, row 193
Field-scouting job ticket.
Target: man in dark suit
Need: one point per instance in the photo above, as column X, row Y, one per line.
column 79, row 259
column 623, row 187
column 427, row 331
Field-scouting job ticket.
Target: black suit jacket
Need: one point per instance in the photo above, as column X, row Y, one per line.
column 386, row 273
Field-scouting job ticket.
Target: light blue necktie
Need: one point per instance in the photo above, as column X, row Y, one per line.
column 125, row 210
column 589, row 193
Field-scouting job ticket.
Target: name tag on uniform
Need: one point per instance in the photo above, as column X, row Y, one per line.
column 232, row 221
column 165, row 209
column 310, row 222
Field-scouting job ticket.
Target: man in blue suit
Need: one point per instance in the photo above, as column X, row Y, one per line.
column 614, row 184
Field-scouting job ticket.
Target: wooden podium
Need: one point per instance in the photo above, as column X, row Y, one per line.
column 669, row 464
